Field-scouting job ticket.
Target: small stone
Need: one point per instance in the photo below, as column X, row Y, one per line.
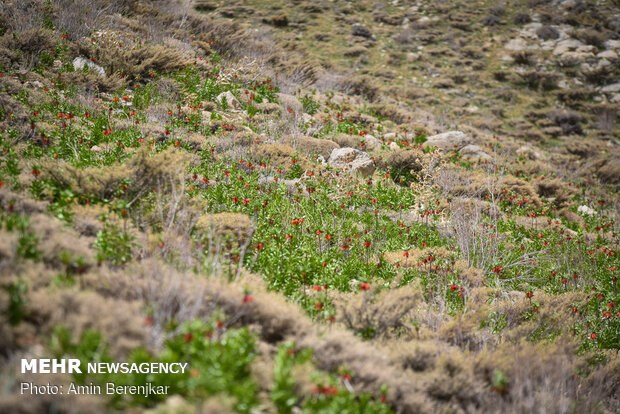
column 231, row 101
column 79, row 63
column 586, row 210
column 448, row 140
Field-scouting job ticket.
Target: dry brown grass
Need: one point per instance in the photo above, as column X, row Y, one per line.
column 378, row 315
column 235, row 227
column 133, row 62
column 145, row 171
column 92, row 83
column 390, row 111
column 119, row 321
column 311, row 146
column 30, row 45
column 280, row 155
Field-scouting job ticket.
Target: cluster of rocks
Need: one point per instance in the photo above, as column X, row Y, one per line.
column 566, row 51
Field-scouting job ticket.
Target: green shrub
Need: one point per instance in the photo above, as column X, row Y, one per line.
column 114, row 244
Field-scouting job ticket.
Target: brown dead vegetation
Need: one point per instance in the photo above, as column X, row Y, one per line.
column 134, row 62
column 235, row 227
column 145, row 171
column 311, row 146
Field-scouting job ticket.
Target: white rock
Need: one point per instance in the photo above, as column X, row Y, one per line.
column 474, row 152
column 516, row 44
column 530, row 153
column 612, row 45
column 448, row 140
column 96, row 149
column 354, row 160
column 613, row 88
column 79, row 63
column 566, row 46
column 371, row 142
column 608, row 54
column 586, row 210
column 389, row 135
column 230, row 100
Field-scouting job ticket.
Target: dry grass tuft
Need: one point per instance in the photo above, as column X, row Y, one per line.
column 226, row 227
column 145, row 172
column 133, row 62
column 280, row 155
column 377, row 315
column 311, row 146
column 121, row 322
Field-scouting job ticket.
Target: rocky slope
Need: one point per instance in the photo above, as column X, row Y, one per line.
column 321, row 207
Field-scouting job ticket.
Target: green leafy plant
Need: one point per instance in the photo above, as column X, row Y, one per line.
column 114, row 245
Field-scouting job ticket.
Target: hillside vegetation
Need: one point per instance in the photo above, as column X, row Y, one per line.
column 327, row 206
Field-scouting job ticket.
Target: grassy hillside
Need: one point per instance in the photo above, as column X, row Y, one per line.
column 329, row 206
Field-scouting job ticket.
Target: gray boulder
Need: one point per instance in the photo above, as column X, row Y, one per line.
column 354, row 160
column 448, row 140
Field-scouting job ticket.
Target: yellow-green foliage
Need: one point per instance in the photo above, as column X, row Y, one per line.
column 145, row 171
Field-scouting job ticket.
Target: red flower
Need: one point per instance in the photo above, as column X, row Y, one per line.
column 187, row 337
column 318, row 306
column 248, row 298
column 364, row 286
column 593, row 336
